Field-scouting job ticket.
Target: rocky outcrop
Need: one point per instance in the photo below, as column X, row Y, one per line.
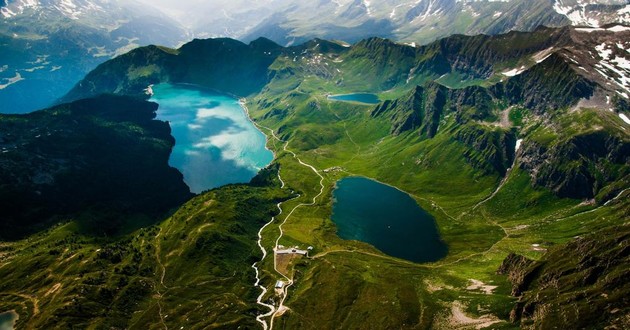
column 489, row 150
column 517, row 269
column 578, row 166
column 550, row 85
column 581, row 284
column 420, row 110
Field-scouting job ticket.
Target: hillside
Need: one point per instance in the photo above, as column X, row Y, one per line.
column 191, row 268
column 102, row 160
column 588, row 273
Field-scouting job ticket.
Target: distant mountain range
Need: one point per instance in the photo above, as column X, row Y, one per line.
column 46, row 46
column 420, row 21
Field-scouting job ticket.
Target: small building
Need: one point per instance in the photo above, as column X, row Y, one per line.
column 279, row 284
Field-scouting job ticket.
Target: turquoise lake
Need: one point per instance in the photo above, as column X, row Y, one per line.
column 387, row 218
column 356, row 97
column 216, row 143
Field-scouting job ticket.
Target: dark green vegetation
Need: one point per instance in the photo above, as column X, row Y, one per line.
column 102, row 161
column 452, row 148
column 222, row 64
column 192, row 268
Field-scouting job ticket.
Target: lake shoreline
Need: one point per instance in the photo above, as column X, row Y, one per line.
column 387, row 218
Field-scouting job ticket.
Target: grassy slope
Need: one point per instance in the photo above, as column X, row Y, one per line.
column 479, row 234
column 191, row 269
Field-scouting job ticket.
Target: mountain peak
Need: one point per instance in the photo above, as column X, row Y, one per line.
column 264, row 44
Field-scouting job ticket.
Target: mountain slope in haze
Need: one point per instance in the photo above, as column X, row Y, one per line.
column 289, row 22
column 47, row 46
column 104, row 158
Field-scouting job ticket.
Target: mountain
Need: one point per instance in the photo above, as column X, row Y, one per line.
column 223, row 64
column 103, row 159
column 516, row 144
column 526, row 76
column 47, row 46
column 289, row 23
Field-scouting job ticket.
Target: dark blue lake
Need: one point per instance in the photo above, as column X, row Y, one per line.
column 215, row 142
column 356, row 97
column 388, row 219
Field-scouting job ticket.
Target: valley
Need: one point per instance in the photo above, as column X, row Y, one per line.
column 527, row 191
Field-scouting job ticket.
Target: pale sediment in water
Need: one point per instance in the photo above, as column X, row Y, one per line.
column 8, row 320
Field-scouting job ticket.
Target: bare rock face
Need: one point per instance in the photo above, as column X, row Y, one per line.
column 516, row 267
column 576, row 166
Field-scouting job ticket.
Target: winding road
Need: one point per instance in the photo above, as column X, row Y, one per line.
column 273, row 312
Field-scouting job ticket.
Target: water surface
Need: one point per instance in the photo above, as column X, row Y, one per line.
column 387, row 218
column 356, row 97
column 8, row 319
column 216, row 144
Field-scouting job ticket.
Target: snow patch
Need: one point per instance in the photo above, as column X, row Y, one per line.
column 576, row 14
column 514, row 72
column 616, row 69
column 518, row 144
column 603, row 52
column 624, row 118
column 622, row 62
column 589, row 30
column 618, row 28
column 542, row 55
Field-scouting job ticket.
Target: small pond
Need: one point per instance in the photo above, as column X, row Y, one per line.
column 366, row 98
